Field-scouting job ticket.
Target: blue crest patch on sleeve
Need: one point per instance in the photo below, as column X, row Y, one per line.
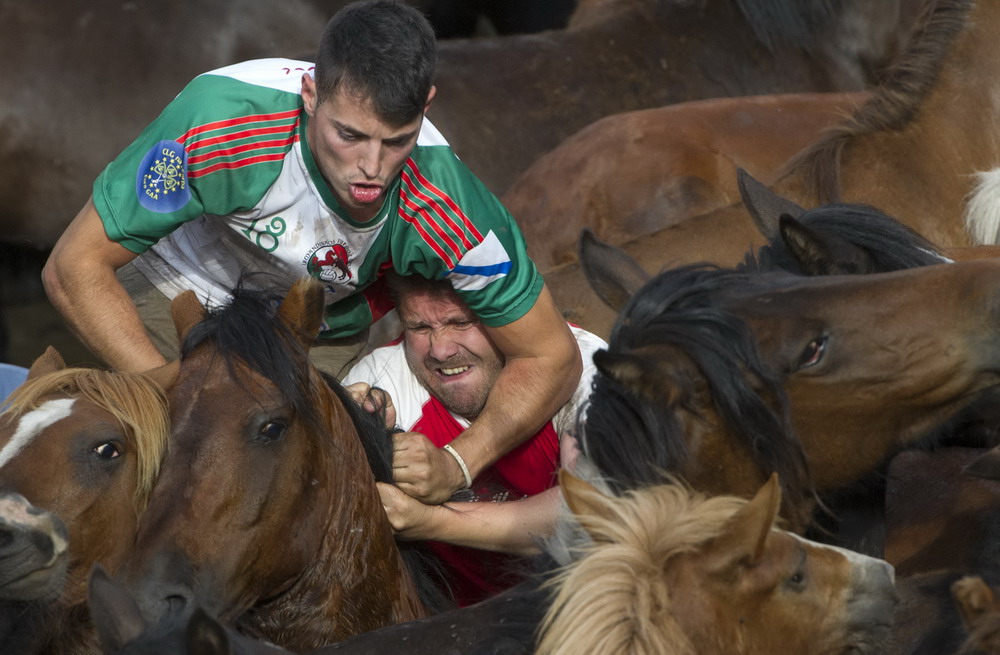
column 161, row 183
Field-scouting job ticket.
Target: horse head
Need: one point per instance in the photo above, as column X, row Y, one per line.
column 680, row 572
column 267, row 500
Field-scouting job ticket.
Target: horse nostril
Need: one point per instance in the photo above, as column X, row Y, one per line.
column 176, row 604
column 6, row 537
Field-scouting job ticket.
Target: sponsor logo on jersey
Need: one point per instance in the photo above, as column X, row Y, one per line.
column 481, row 265
column 330, row 261
column 161, row 182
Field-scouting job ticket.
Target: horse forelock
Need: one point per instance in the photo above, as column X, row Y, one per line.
column 135, row 401
column 680, row 308
column 893, row 104
column 614, row 596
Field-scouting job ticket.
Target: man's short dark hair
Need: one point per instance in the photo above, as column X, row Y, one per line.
column 382, row 50
column 401, row 286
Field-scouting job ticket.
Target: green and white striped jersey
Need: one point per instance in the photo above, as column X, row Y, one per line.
column 222, row 184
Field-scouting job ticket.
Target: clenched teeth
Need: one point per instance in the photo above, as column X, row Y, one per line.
column 455, row 371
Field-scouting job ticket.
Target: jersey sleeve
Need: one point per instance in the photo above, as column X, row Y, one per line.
column 453, row 227
column 213, row 150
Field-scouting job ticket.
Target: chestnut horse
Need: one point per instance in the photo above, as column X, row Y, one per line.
column 265, row 511
column 914, row 150
column 723, row 376
column 84, row 444
column 660, row 570
column 633, row 173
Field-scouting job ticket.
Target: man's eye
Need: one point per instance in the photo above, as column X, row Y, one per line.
column 344, row 136
column 463, row 325
column 420, row 329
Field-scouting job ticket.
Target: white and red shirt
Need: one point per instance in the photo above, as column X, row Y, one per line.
column 527, row 470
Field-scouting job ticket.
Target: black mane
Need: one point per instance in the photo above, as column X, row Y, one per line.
column 632, row 440
column 891, row 245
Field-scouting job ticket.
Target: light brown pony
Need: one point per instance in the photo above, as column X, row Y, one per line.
column 84, row 444
column 266, row 511
column 671, row 572
column 913, row 150
column 637, row 172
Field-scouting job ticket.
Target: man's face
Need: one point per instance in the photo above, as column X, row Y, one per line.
column 448, row 350
column 357, row 153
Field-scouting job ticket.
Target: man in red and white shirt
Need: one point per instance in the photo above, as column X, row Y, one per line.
column 438, row 376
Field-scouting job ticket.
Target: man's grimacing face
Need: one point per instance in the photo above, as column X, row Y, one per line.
column 449, row 351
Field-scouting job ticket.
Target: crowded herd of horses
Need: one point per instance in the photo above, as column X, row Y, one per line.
column 783, row 217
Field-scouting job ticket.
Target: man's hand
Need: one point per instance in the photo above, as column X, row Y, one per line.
column 423, row 470
column 372, row 400
column 409, row 518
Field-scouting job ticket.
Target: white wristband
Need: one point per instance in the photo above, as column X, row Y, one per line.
column 461, row 464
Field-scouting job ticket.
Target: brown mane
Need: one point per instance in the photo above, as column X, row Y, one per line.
column 894, row 103
column 138, row 404
column 613, row 598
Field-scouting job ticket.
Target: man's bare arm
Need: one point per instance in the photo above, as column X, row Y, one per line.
column 79, row 278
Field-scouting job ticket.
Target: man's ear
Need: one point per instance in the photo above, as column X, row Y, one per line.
column 430, row 96
column 309, row 93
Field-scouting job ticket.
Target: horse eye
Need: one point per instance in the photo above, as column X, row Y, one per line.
column 813, row 353
column 271, row 431
column 106, row 450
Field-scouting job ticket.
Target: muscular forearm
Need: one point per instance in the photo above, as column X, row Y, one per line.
column 79, row 278
column 101, row 314
column 528, row 392
column 510, row 527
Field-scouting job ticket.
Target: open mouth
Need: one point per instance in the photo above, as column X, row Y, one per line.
column 457, row 370
column 365, row 193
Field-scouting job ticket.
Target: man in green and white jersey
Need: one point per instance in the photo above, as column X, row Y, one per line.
column 280, row 167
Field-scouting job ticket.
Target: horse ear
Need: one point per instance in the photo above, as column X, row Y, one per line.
column 583, row 499
column 164, row 376
column 744, row 538
column 973, row 597
column 764, row 206
column 302, row 309
column 49, row 361
column 645, row 376
column 113, row 611
column 612, row 274
column 187, row 311
column 206, row 636
column 986, row 466
column 818, row 253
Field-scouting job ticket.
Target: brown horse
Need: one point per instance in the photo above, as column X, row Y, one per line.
column 723, row 376
column 503, row 102
column 634, row 173
column 667, row 571
column 913, row 150
column 266, row 511
column 84, row 444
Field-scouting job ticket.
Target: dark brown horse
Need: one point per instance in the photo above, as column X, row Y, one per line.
column 266, row 511
column 914, row 150
column 724, row 376
column 84, row 444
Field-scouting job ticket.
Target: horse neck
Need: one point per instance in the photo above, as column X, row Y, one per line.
column 358, row 580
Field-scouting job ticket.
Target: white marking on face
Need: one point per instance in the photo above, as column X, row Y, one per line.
column 34, row 423
column 853, row 557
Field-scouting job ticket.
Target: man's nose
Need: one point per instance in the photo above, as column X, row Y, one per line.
column 371, row 160
column 442, row 346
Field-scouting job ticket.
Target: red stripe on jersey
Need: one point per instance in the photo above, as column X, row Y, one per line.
column 235, row 136
column 412, row 220
column 225, row 152
column 230, row 122
column 438, row 230
column 440, row 215
column 240, row 163
column 446, row 199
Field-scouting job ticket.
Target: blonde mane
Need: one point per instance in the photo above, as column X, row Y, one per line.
column 614, row 598
column 139, row 405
